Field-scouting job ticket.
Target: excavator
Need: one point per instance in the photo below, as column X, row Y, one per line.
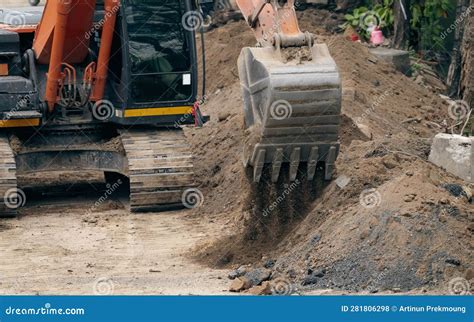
column 107, row 85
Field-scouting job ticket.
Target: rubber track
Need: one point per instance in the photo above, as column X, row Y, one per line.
column 8, row 182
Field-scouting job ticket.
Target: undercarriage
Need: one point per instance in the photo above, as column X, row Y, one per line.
column 156, row 163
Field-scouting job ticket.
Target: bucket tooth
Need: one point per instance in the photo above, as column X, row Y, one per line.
column 331, row 158
column 277, row 160
column 259, row 164
column 312, row 162
column 294, row 163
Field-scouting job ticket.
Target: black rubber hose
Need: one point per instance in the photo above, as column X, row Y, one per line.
column 32, row 67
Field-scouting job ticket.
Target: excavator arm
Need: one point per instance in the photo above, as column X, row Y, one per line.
column 268, row 18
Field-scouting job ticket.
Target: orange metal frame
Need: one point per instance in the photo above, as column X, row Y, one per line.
column 62, row 39
column 267, row 17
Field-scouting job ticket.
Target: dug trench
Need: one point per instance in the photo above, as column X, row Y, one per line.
column 386, row 223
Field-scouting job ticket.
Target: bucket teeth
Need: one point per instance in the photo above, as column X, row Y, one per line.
column 331, row 158
column 276, row 166
column 294, row 163
column 313, row 162
column 258, row 168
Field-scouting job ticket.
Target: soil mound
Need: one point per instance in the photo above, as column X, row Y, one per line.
column 386, row 221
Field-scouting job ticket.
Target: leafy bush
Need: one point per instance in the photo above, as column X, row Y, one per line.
column 363, row 19
column 428, row 20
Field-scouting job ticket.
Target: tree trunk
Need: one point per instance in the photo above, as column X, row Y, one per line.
column 460, row 78
column 401, row 24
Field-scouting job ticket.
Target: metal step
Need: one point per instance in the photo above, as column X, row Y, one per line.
column 20, row 115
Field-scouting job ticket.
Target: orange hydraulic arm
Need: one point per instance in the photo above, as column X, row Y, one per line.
column 267, row 18
column 63, row 38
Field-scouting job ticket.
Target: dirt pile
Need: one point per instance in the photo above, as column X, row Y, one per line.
column 385, row 222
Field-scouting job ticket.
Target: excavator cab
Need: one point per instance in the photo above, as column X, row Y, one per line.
column 150, row 72
column 157, row 59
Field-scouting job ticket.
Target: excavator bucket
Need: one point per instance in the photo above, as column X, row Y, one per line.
column 292, row 106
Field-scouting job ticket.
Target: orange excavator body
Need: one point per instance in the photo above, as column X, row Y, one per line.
column 73, row 20
column 63, row 38
column 266, row 18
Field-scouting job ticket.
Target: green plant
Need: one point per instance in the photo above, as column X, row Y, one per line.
column 364, row 19
column 427, row 19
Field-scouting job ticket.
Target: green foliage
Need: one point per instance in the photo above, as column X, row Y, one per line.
column 428, row 18
column 427, row 21
column 363, row 18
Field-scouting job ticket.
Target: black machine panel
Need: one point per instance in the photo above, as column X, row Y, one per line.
column 161, row 52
